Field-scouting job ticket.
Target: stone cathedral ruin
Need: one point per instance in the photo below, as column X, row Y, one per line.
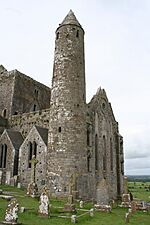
column 77, row 145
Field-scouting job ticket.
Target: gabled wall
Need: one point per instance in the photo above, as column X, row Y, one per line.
column 24, row 168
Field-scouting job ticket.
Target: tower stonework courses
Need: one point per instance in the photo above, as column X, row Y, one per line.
column 77, row 145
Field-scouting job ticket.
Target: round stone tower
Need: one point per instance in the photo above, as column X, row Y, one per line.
column 67, row 161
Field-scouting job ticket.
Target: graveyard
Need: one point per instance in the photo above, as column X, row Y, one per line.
column 28, row 213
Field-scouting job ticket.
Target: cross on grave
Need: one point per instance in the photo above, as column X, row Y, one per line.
column 72, row 183
column 33, row 162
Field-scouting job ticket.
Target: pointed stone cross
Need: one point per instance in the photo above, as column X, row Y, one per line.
column 33, row 162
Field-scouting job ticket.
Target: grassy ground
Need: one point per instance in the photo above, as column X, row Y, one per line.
column 30, row 217
column 140, row 190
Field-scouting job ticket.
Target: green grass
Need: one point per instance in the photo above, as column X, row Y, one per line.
column 140, row 190
column 30, row 216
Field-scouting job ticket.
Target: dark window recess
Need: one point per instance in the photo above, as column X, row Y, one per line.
column 111, row 155
column 88, row 163
column 77, row 34
column 57, row 35
column 3, row 156
column 16, row 113
column 59, row 129
column 36, row 92
column 65, row 189
column 88, row 137
column 77, row 105
column 34, row 148
column 4, row 113
column 104, row 156
column 30, row 153
column 34, row 108
column 43, row 182
column 96, row 152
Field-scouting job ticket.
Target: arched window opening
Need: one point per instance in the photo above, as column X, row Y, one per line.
column 34, row 148
column 4, row 113
column 88, row 163
column 77, row 34
column 88, row 137
column 30, row 153
column 104, row 153
column 3, row 156
column 34, row 107
column 36, row 92
column 111, row 155
column 57, row 35
column 96, row 152
column 59, row 129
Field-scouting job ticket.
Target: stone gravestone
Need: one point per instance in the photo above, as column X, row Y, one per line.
column 127, row 215
column 11, row 215
column 69, row 206
column 32, row 189
column 126, row 200
column 1, row 173
column 81, row 204
column 133, row 206
column 44, row 204
column 8, row 175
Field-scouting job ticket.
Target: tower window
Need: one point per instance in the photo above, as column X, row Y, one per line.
column 88, row 163
column 59, row 129
column 4, row 113
column 57, row 35
column 34, row 107
column 77, row 34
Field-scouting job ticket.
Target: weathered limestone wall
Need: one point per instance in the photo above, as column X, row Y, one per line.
column 10, row 157
column 25, row 121
column 3, row 124
column 41, row 152
column 7, row 82
column 67, row 132
column 105, row 146
column 29, row 95
column 20, row 94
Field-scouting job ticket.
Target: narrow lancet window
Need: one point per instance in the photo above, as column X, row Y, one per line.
column 96, row 153
column 104, row 153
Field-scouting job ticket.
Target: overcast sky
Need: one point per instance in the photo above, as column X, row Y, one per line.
column 117, row 54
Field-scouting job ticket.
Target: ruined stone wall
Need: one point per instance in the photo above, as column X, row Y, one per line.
column 10, row 157
column 3, row 124
column 29, row 95
column 41, row 166
column 20, row 94
column 7, row 81
column 105, row 146
column 24, row 122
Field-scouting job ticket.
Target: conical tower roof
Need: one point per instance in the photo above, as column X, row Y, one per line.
column 70, row 19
